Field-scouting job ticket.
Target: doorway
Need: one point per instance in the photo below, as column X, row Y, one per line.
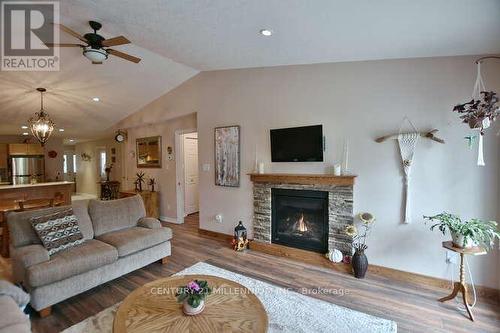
column 187, row 177
column 69, row 168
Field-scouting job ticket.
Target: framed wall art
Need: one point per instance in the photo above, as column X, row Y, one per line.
column 227, row 156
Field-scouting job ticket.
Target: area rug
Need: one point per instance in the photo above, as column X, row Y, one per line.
column 288, row 311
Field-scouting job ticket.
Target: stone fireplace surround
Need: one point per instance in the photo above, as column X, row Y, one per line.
column 340, row 204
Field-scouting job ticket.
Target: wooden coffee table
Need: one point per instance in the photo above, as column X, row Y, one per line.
column 153, row 308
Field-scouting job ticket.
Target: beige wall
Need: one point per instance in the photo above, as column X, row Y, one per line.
column 357, row 102
column 166, row 176
column 87, row 174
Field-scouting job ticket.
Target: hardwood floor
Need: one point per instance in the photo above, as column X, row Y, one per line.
column 414, row 307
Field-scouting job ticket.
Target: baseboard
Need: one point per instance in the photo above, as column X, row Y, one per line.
column 169, row 219
column 225, row 237
column 485, row 293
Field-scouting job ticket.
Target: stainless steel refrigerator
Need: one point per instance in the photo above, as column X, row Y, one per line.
column 26, row 169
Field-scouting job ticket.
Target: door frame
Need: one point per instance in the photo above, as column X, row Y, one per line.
column 179, row 171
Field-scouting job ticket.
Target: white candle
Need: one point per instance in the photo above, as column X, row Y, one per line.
column 261, row 167
column 337, row 170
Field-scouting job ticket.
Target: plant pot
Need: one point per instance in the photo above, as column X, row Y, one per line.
column 476, row 122
column 460, row 241
column 359, row 264
column 191, row 311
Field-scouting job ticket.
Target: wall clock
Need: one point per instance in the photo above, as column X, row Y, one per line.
column 120, row 137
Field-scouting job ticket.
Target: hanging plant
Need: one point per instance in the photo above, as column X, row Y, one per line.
column 479, row 113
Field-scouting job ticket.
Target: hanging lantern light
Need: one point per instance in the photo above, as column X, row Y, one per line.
column 41, row 125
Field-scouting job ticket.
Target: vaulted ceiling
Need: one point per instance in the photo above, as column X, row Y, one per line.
column 178, row 38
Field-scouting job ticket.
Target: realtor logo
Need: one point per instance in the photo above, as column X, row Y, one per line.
column 26, row 27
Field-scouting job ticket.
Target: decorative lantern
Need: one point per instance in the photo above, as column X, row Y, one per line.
column 240, row 241
column 41, row 125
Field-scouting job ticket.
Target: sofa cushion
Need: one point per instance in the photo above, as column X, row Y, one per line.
column 113, row 215
column 12, row 320
column 149, row 222
column 58, row 230
column 81, row 258
column 17, row 294
column 22, row 233
column 135, row 239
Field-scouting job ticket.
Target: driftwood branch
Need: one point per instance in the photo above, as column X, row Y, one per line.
column 429, row 135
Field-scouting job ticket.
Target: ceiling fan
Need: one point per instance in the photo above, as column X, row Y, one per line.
column 96, row 47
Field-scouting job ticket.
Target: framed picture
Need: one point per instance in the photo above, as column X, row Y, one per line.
column 148, row 152
column 227, row 156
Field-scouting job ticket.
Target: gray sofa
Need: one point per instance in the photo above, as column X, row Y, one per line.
column 119, row 238
column 12, row 318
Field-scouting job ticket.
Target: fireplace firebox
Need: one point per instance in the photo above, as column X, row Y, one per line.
column 300, row 219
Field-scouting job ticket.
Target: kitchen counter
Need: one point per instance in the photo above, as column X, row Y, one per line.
column 10, row 187
column 61, row 190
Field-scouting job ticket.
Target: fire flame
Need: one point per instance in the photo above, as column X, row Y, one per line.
column 301, row 225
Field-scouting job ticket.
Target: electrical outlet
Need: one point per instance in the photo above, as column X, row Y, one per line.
column 218, row 218
column 451, row 257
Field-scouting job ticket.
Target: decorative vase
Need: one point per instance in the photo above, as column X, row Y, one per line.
column 460, row 241
column 359, row 264
column 191, row 311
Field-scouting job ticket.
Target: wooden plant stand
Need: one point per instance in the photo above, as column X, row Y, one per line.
column 460, row 286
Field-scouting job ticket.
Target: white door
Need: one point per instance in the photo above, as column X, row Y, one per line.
column 191, row 202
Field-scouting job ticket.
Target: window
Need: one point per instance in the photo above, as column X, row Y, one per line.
column 65, row 163
column 102, row 163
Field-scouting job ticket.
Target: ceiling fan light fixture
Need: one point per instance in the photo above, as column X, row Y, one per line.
column 95, row 55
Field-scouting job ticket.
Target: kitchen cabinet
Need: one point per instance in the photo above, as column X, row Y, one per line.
column 16, row 149
column 3, row 156
column 35, row 149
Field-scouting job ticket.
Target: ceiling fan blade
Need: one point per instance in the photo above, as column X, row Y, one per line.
column 120, row 40
column 123, row 55
column 64, row 45
column 96, row 62
column 71, row 32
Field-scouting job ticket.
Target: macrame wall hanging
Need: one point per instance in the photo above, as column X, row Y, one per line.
column 407, row 143
column 480, row 112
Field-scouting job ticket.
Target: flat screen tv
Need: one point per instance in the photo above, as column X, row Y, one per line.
column 297, row 144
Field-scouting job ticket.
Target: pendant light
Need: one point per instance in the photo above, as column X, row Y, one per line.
column 41, row 125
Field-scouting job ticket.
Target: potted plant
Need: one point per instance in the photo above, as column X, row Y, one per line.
column 192, row 296
column 359, row 260
column 479, row 113
column 465, row 234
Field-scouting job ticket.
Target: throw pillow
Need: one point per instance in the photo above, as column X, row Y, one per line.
column 58, row 231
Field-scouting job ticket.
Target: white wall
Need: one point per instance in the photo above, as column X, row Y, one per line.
column 356, row 102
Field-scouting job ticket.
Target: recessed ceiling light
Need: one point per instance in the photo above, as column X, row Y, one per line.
column 26, row 133
column 61, row 130
column 266, row 32
column 95, row 99
column 24, row 127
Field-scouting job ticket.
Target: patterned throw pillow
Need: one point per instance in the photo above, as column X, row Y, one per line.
column 58, row 231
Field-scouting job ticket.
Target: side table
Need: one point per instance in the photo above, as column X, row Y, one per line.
column 460, row 286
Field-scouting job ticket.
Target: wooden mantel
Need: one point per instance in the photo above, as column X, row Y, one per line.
column 302, row 179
